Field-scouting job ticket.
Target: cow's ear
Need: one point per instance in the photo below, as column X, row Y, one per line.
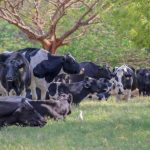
column 19, row 110
column 86, row 78
column 19, row 64
column 64, row 58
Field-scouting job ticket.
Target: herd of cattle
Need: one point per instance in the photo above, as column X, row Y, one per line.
column 57, row 82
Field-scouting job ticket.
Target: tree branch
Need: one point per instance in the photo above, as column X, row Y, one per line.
column 80, row 23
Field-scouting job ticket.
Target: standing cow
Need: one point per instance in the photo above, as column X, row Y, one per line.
column 45, row 67
column 123, row 81
column 143, row 80
column 15, row 75
column 91, row 70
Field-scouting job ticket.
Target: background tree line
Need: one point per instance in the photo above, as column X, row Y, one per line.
column 113, row 31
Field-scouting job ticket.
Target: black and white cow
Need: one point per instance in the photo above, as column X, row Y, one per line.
column 124, row 81
column 143, row 81
column 78, row 90
column 15, row 75
column 45, row 67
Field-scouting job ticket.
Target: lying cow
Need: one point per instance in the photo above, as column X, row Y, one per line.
column 15, row 75
column 124, row 81
column 17, row 110
column 45, row 67
column 143, row 80
column 55, row 108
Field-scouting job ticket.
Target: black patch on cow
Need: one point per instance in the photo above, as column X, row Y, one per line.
column 62, row 88
column 49, row 68
column 4, row 56
column 30, row 52
column 52, row 89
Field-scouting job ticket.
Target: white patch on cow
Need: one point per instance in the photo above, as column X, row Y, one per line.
column 3, row 91
column 40, row 56
column 92, row 96
column 12, row 92
column 57, row 93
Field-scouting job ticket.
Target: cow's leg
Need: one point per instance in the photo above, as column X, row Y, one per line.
column 54, row 114
column 128, row 95
column 33, row 90
column 43, row 86
column 12, row 92
column 23, row 93
column 118, row 97
column 43, row 94
column 5, row 121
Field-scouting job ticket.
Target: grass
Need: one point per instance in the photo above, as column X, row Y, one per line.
column 106, row 126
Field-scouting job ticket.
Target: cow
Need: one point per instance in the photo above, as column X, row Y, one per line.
column 143, row 81
column 57, row 108
column 45, row 67
column 86, row 69
column 95, row 71
column 78, row 90
column 15, row 75
column 15, row 110
column 124, row 81
column 67, row 78
column 103, row 95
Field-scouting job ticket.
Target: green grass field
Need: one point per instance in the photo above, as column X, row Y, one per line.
column 106, row 125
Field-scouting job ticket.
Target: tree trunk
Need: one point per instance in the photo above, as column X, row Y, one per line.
column 51, row 45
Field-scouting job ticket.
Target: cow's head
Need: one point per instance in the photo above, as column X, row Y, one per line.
column 145, row 74
column 104, row 85
column 104, row 72
column 27, row 115
column 91, row 84
column 13, row 67
column 70, row 65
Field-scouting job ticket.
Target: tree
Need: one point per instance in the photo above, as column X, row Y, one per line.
column 131, row 19
column 41, row 20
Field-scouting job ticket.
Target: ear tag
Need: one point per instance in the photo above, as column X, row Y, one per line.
column 21, row 69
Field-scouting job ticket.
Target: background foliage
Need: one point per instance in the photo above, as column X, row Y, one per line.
column 121, row 36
